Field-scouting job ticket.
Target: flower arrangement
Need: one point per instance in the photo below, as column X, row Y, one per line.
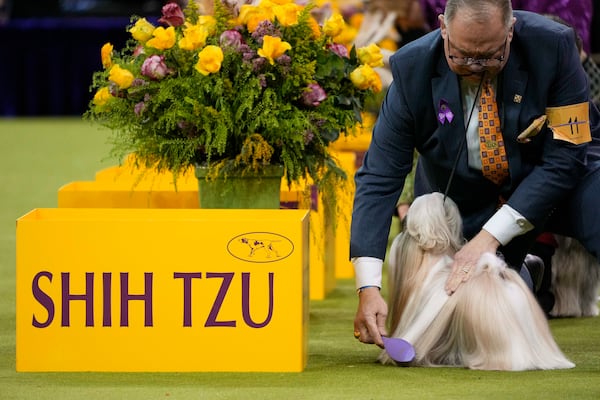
column 238, row 89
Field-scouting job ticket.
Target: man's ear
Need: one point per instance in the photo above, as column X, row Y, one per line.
column 512, row 29
column 442, row 25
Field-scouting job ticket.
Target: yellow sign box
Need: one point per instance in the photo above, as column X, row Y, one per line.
column 162, row 290
column 101, row 194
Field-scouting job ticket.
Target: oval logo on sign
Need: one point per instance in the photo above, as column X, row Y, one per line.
column 260, row 247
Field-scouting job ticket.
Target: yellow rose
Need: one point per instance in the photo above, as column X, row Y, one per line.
column 122, row 77
column 106, row 55
column 102, row 97
column 365, row 77
column 346, row 36
column 334, row 25
column 273, row 47
column 287, row 14
column 208, row 22
column 209, row 60
column 194, row 37
column 251, row 16
column 388, row 44
column 275, row 2
column 356, row 20
column 142, row 30
column 376, row 84
column 163, row 38
column 314, row 27
column 370, row 55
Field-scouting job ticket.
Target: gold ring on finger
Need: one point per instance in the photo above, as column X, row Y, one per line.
column 356, row 334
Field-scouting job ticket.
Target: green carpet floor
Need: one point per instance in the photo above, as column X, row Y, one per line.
column 37, row 156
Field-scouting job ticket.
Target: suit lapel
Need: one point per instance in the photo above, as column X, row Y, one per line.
column 445, row 88
column 514, row 83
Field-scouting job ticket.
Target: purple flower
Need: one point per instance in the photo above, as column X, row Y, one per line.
column 313, row 95
column 444, row 112
column 308, row 136
column 259, row 63
column 172, row 15
column 339, row 49
column 137, row 82
column 232, row 38
column 139, row 108
column 284, row 60
column 265, row 27
column 262, row 79
column 138, row 51
column 114, row 90
column 247, row 53
column 154, row 67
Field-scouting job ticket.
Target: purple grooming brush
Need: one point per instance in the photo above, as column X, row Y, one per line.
column 399, row 349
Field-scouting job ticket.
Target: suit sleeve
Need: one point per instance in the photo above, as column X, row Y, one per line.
column 381, row 178
column 562, row 163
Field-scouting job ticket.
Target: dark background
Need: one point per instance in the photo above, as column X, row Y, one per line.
column 49, row 50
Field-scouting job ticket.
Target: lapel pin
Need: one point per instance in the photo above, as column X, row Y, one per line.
column 517, row 98
column 444, row 112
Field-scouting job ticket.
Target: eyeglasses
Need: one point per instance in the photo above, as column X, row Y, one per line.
column 483, row 62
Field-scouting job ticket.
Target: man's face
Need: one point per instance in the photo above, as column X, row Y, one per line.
column 474, row 47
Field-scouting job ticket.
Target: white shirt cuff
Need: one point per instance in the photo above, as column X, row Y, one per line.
column 507, row 224
column 367, row 271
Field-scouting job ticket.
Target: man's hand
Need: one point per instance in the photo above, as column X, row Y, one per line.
column 369, row 323
column 402, row 210
column 467, row 257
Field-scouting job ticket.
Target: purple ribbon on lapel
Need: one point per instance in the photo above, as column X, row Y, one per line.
column 444, row 112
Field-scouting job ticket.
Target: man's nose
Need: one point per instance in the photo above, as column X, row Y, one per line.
column 476, row 67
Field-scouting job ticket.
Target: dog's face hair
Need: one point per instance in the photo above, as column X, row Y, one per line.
column 491, row 322
column 432, row 229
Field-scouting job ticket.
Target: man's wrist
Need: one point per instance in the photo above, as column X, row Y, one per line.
column 360, row 289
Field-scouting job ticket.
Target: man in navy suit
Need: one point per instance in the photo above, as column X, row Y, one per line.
column 550, row 133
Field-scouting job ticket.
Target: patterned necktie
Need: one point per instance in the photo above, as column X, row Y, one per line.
column 494, row 163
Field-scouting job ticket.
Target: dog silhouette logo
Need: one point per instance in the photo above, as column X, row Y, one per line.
column 260, row 247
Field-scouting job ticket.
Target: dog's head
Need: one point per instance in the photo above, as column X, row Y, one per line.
column 434, row 223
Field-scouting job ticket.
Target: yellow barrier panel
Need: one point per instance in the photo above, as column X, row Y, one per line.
column 360, row 140
column 322, row 245
column 162, row 290
column 345, row 197
column 127, row 174
column 103, row 194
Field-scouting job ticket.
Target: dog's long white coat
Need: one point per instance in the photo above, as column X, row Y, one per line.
column 491, row 322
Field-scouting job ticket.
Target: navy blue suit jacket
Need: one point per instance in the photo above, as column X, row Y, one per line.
column 543, row 70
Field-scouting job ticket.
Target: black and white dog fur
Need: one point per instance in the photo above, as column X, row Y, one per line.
column 492, row 322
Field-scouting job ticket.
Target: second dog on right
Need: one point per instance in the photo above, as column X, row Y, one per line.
column 575, row 280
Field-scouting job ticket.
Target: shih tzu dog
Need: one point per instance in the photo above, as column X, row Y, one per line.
column 492, row 322
column 575, row 280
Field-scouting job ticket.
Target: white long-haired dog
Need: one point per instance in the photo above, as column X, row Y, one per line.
column 575, row 280
column 492, row 322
